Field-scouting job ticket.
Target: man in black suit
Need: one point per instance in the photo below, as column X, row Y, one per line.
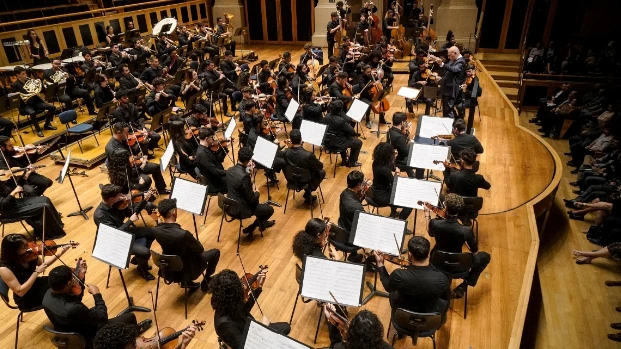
column 239, row 187
column 128, row 113
column 159, row 99
column 466, row 182
column 164, row 47
column 72, row 90
column 466, row 96
column 263, row 76
column 173, row 63
column 401, row 143
column 336, row 88
column 211, row 78
column 462, row 140
column 297, row 156
column 350, row 201
column 221, row 31
column 117, row 57
column 344, row 135
column 33, row 105
column 365, row 96
column 284, row 65
column 450, row 236
column 228, row 67
column 419, row 287
column 332, row 27
column 180, row 242
column 546, row 105
column 155, row 71
column 454, row 76
column 128, row 82
column 209, row 162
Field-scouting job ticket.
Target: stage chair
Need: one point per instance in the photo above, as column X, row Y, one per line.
column 231, row 208
column 456, row 265
column 70, row 116
column 298, row 179
column 70, row 340
column 472, row 206
column 415, row 325
column 369, row 196
column 14, row 103
column 202, row 180
column 4, row 294
column 169, row 263
column 5, row 221
column 330, row 149
column 339, row 237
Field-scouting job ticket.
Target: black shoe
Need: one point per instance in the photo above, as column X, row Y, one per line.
column 384, row 122
column 249, row 229
column 615, row 337
column 545, row 136
column 354, row 164
column 541, row 130
column 408, row 232
column 533, row 120
column 568, row 154
column 150, row 157
column 312, row 198
column 164, row 192
column 145, row 274
column 191, row 285
column 40, row 134
column 460, row 290
column 574, row 171
column 205, row 285
column 134, row 261
column 569, row 203
column 49, row 127
column 575, row 216
column 266, row 225
column 577, row 192
column 144, row 325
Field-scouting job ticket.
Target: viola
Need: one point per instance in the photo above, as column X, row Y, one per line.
column 217, row 143
column 252, row 280
column 347, row 91
column 435, row 209
column 35, row 248
column 166, row 338
column 135, row 160
column 31, row 149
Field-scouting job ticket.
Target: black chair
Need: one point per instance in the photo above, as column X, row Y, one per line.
column 415, row 325
column 175, row 167
column 231, row 208
column 4, row 294
column 70, row 116
column 298, row 279
column 4, row 221
column 339, row 238
column 14, row 103
column 456, row 265
column 202, row 180
column 330, row 149
column 66, row 340
column 298, row 179
column 169, row 263
column 472, row 206
column 369, row 198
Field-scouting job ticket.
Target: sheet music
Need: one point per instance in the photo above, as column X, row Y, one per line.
column 292, row 109
column 63, row 172
column 422, row 156
column 408, row 92
column 190, row 196
column 378, row 233
column 322, row 276
column 313, row 132
column 433, row 126
column 230, row 128
column 259, row 337
column 112, row 246
column 264, row 152
column 408, row 191
column 168, row 154
column 357, row 110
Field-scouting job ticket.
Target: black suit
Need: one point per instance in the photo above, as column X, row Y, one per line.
column 128, row 83
column 400, row 143
column 129, row 114
column 239, row 188
column 180, row 242
column 33, row 106
column 103, row 95
column 117, row 60
column 300, row 157
column 344, row 137
column 464, row 141
column 228, row 69
column 450, row 237
column 466, row 99
column 336, row 91
column 454, row 76
column 264, row 86
column 330, row 36
column 173, row 67
column 35, row 185
column 285, row 66
column 211, row 77
column 210, row 165
column 466, row 183
column 72, row 92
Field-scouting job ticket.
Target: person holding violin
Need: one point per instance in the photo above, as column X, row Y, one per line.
column 246, row 98
column 329, row 74
column 128, row 113
column 20, row 267
column 67, row 313
column 185, row 145
column 419, row 287
column 350, row 201
column 297, row 156
column 339, row 85
column 466, row 182
column 388, row 61
column 332, row 28
column 202, row 116
column 300, row 79
column 114, row 208
column 124, row 336
column 177, row 241
column 421, row 76
column 364, row 85
column 103, row 92
column 252, row 119
column 462, row 140
column 33, row 184
column 345, row 135
column 466, row 91
column 398, row 136
column 285, row 67
column 451, row 236
column 284, row 94
column 232, row 307
column 264, row 77
column 209, row 158
column 383, row 163
column 364, row 331
column 311, row 109
column 120, row 171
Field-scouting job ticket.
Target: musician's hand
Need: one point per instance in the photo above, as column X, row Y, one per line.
column 157, row 96
column 261, row 278
column 265, row 321
column 83, row 269
column 41, row 268
column 149, row 86
column 187, row 336
column 18, row 189
column 140, row 84
column 148, row 195
column 36, row 56
column 92, row 289
column 64, row 249
column 379, row 260
column 332, row 252
column 141, row 181
column 423, row 82
column 328, row 309
column 134, row 217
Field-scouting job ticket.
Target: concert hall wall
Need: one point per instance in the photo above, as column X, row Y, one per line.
column 280, row 21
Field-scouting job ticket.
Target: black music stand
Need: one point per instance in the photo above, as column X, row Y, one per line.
column 432, row 92
column 61, row 177
column 379, row 98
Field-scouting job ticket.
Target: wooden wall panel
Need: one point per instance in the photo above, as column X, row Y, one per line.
column 280, row 22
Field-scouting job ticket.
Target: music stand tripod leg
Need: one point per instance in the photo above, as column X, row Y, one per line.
column 374, row 290
column 82, row 212
column 130, row 301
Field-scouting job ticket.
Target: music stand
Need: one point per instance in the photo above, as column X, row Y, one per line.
column 378, row 99
column 432, row 92
column 61, row 177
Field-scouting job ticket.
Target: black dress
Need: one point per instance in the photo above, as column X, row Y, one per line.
column 34, row 296
column 382, row 189
column 40, row 51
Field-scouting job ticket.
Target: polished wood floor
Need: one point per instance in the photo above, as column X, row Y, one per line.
column 505, row 232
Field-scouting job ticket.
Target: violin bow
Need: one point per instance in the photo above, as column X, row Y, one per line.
column 340, row 307
column 9, row 168
column 130, row 190
column 193, row 135
column 248, row 284
column 131, row 152
column 21, row 140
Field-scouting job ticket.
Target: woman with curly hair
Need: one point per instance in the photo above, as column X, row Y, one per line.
column 365, row 331
column 313, row 239
column 227, row 300
column 185, row 148
column 383, row 164
column 120, row 171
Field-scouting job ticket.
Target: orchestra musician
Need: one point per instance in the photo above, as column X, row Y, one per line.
column 389, row 23
column 122, row 173
column 110, row 39
column 117, row 57
column 418, row 287
column 300, row 79
column 139, row 50
column 103, row 92
column 454, row 76
column 283, row 98
column 309, row 55
column 128, row 82
column 239, row 188
column 331, row 71
column 72, row 92
column 231, row 312
column 228, row 67
column 185, row 146
column 362, row 31
column 155, row 71
column 221, row 32
column 365, row 330
column 366, row 79
column 36, row 48
column 30, row 103
column 421, row 76
column 263, row 76
column 173, row 62
column 466, row 182
column 336, row 88
column 285, row 65
column 209, row 160
column 450, row 236
column 383, row 164
column 399, row 139
column 252, row 120
column 387, row 62
column 33, row 183
column 462, row 140
column 20, row 269
column 246, row 98
column 119, row 140
column 345, row 134
column 164, row 45
column 128, row 113
column 311, row 110
column 90, row 63
column 211, row 77
column 190, row 85
column 177, row 241
column 123, row 336
column 297, row 156
column 186, row 38
column 347, row 61
column 466, row 90
column 450, row 41
column 333, row 26
column 111, row 213
column 350, row 201
column 206, row 33
column 68, row 314
column 159, row 99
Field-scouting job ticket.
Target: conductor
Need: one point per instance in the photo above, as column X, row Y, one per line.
column 454, row 77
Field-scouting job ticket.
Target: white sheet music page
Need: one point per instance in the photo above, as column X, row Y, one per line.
column 322, row 276
column 313, row 132
column 230, row 128
column 378, row 233
column 168, row 154
column 292, row 109
column 357, row 110
column 63, row 173
column 264, row 152
column 408, row 92
column 408, row 191
column 190, row 196
column 423, row 155
column 433, row 126
column 112, row 246
column 259, row 337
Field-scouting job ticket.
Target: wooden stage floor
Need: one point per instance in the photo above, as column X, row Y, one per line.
column 518, row 166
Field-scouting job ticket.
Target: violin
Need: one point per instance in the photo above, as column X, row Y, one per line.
column 80, row 268
column 252, row 280
column 36, row 247
column 405, row 128
column 217, row 143
column 31, row 149
column 166, row 338
column 435, row 209
column 135, row 160
column 447, row 164
column 137, row 137
column 5, row 175
column 135, row 196
column 338, row 320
